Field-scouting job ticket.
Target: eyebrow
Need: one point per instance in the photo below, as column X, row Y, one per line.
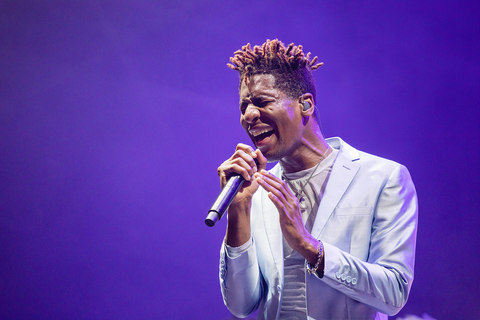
column 261, row 96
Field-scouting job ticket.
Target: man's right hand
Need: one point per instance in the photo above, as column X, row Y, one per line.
column 242, row 162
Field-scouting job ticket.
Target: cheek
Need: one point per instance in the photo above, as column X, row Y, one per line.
column 287, row 125
column 243, row 123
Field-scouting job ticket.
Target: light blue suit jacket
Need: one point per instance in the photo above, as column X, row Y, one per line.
column 367, row 221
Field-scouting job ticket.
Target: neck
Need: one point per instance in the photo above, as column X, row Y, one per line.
column 307, row 155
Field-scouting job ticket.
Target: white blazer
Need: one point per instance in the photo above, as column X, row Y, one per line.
column 367, row 221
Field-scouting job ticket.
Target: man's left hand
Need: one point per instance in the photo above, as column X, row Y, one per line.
column 291, row 222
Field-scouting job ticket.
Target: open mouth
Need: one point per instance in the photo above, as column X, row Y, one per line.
column 263, row 135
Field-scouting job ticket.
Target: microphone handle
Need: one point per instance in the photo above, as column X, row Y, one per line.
column 224, row 199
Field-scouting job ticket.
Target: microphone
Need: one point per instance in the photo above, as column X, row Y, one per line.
column 225, row 198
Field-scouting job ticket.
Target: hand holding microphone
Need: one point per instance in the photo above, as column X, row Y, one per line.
column 236, row 177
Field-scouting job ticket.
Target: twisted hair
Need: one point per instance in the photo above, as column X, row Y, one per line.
column 291, row 68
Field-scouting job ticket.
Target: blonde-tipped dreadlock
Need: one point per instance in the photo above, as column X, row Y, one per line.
column 272, row 54
column 291, row 68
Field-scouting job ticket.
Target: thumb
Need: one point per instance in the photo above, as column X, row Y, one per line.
column 262, row 161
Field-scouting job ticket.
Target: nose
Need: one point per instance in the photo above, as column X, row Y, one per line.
column 251, row 114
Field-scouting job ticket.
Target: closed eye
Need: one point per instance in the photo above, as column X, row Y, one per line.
column 262, row 103
column 243, row 107
column 259, row 103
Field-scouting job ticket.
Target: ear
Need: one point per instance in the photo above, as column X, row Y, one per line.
column 307, row 105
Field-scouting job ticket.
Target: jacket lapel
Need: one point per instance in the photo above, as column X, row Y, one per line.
column 344, row 170
column 272, row 226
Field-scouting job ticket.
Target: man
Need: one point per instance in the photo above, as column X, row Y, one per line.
column 330, row 231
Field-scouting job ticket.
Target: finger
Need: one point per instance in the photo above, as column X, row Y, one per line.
column 271, row 176
column 241, row 162
column 262, row 161
column 271, row 187
column 248, row 160
column 242, row 170
column 276, row 182
column 235, row 166
column 277, row 203
column 284, row 208
column 247, row 149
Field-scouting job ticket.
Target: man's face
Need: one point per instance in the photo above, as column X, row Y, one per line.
column 271, row 119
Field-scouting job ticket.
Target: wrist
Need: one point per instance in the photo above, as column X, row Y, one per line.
column 309, row 249
column 318, row 267
column 238, row 224
column 239, row 202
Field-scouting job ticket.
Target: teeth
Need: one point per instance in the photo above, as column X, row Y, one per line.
column 259, row 132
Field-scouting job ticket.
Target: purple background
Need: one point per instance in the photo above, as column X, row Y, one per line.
column 114, row 116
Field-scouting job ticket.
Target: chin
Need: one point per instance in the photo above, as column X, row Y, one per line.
column 272, row 155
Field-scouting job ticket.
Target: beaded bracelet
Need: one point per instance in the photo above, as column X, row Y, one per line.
column 313, row 270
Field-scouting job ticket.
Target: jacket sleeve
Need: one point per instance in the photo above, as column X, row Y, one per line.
column 240, row 281
column 384, row 280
